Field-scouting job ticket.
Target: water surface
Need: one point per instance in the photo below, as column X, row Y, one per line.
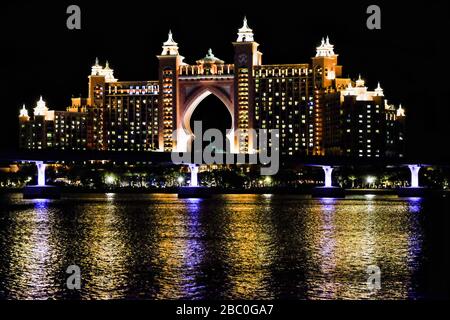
column 228, row 247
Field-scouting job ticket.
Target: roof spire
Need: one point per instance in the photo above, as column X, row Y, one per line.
column 379, row 90
column 170, row 47
column 245, row 34
column 41, row 108
column 325, row 49
column 96, row 68
column 400, row 111
column 360, row 82
column 23, row 112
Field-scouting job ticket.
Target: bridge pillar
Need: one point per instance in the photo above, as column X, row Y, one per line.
column 194, row 175
column 41, row 190
column 328, row 191
column 414, row 175
column 194, row 191
column 41, row 173
column 414, row 190
column 328, row 178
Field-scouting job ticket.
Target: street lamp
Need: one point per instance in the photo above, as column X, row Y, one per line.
column 110, row 179
column 370, row 180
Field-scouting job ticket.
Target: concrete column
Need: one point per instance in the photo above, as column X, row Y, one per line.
column 328, row 181
column 414, row 175
column 194, row 175
column 41, row 173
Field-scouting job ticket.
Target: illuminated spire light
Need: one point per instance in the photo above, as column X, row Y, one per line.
column 96, row 68
column 41, row 108
column 361, row 92
column 360, row 82
column 245, row 34
column 400, row 111
column 107, row 72
column 388, row 106
column 170, row 47
column 379, row 91
column 23, row 112
column 325, row 49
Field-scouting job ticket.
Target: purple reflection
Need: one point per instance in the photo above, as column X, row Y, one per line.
column 415, row 241
column 193, row 204
column 327, row 245
column 328, row 204
column 193, row 250
column 415, row 204
column 41, row 205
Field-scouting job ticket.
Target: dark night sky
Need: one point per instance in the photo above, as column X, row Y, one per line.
column 408, row 56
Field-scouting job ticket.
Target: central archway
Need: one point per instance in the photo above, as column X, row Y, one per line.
column 188, row 105
column 213, row 114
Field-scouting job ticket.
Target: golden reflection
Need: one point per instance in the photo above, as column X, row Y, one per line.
column 178, row 249
column 248, row 246
column 346, row 238
column 33, row 267
column 231, row 246
column 105, row 252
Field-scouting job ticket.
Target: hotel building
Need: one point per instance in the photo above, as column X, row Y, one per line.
column 315, row 109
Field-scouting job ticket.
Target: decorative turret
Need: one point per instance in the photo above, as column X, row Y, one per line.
column 245, row 34
column 170, row 47
column 325, row 49
column 23, row 115
column 41, row 108
column 170, row 61
column 246, row 56
column 400, row 111
column 325, row 64
column 360, row 82
column 96, row 68
column 107, row 72
column 379, row 91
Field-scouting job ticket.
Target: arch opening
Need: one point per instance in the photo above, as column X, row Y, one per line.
column 213, row 114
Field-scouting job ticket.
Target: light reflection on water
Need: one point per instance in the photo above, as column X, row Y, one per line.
column 232, row 246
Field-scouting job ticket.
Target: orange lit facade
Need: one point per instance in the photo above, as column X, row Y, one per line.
column 315, row 109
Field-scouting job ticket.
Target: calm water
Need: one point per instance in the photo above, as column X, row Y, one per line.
column 232, row 246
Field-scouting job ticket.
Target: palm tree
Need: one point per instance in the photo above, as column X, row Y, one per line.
column 352, row 178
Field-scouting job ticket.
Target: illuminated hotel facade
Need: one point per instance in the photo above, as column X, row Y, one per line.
column 315, row 109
